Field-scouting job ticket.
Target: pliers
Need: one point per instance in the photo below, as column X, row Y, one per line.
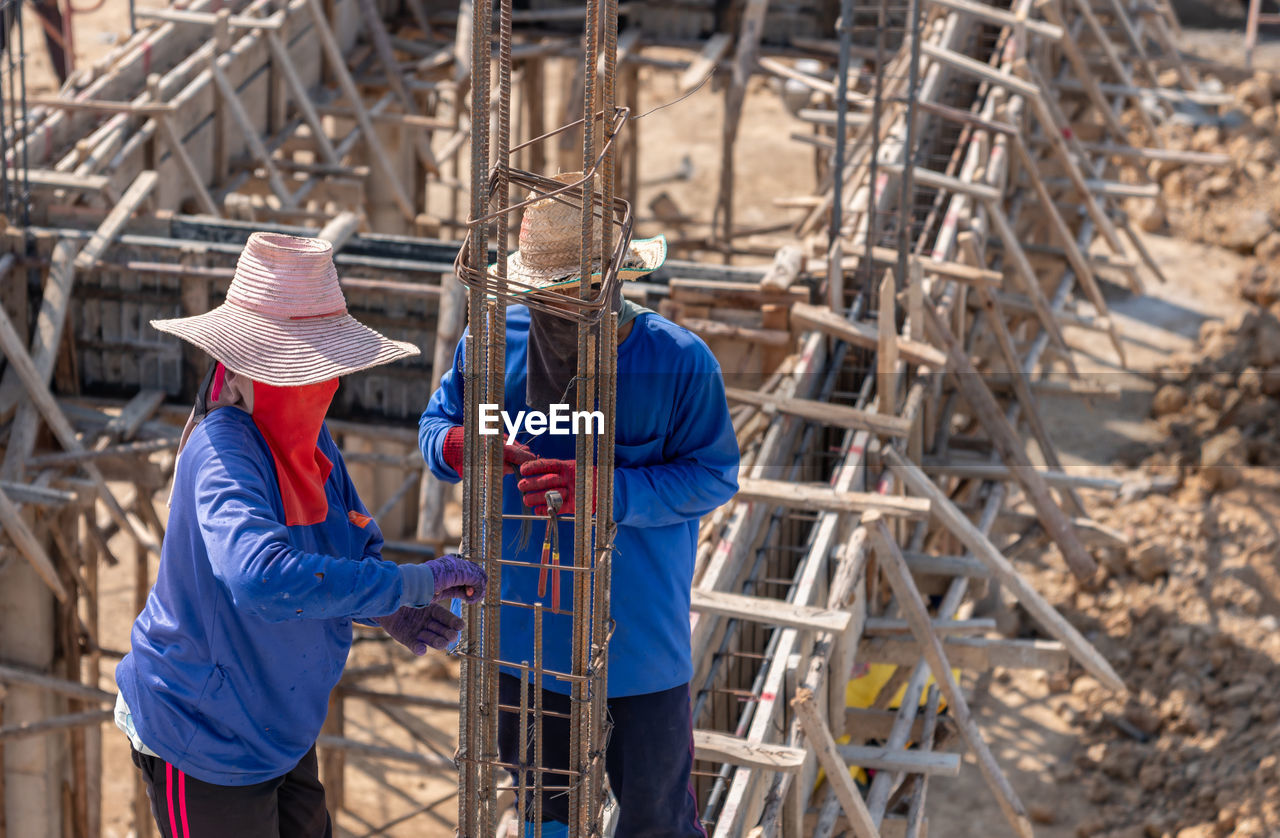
column 551, row 551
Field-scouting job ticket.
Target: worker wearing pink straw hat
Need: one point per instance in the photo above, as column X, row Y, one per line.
column 268, row 557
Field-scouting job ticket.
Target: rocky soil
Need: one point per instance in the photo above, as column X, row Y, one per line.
column 1189, row 613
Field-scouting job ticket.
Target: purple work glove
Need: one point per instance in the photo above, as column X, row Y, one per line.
column 457, row 578
column 417, row 628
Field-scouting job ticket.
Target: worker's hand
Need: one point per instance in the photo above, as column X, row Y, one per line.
column 457, row 578
column 417, row 628
column 514, row 454
column 537, row 477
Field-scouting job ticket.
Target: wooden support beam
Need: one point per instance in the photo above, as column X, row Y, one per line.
column 713, row 50
column 1081, row 267
column 38, row 392
column 61, row 686
column 788, row 262
column 855, row 809
column 252, row 136
column 55, row 304
column 972, row 654
column 99, row 106
column 887, row 349
column 817, row 497
column 29, row 546
column 1002, row 17
column 1030, row 281
column 946, row 512
column 1022, row 390
column 173, row 15
column 769, row 611
column 863, row 334
column 386, row 56
column 834, row 415
column 724, row 748
column 338, row 66
column 179, row 150
column 281, row 59
column 881, row 626
column 897, row 759
column 913, row 607
column 1005, row 438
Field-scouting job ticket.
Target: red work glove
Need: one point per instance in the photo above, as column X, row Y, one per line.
column 513, row 454
column 537, row 477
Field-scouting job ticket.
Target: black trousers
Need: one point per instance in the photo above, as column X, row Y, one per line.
column 649, row 757
column 291, row 806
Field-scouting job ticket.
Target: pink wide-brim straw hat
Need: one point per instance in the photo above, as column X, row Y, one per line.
column 285, row 320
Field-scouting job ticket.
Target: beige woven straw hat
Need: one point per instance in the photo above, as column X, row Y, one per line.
column 285, row 320
column 551, row 246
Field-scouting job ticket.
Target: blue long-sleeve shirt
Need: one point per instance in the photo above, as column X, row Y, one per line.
column 249, row 624
column 676, row 460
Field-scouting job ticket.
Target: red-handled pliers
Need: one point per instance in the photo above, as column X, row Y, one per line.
column 551, row 551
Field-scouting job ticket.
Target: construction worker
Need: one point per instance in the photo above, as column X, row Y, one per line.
column 268, row 558
column 677, row 459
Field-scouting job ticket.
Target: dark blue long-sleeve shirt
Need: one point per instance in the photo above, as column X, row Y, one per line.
column 249, row 624
column 677, row 459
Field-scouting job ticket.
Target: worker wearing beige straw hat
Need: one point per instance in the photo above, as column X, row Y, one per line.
column 268, row 557
column 677, row 459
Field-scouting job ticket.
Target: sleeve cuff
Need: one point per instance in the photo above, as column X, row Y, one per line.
column 419, row 585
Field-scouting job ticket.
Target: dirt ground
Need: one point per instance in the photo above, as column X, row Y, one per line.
column 1189, row 615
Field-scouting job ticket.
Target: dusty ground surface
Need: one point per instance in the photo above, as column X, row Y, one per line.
column 1189, row 615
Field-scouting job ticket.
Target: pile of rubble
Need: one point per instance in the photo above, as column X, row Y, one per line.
column 1235, row 206
column 1191, row 610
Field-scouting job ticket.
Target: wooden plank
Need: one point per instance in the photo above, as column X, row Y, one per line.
column 788, row 262
column 813, row 496
column 960, row 272
column 99, row 106
column 973, row 654
column 38, row 392
column 69, row 181
column 769, row 611
column 18, row 675
column 701, row 68
column 855, row 809
column 971, row 537
column 188, row 166
column 120, row 214
column 50, row 321
column 1002, row 17
column 280, row 58
column 338, row 66
column 724, row 748
column 898, row 759
column 887, row 350
column 863, row 334
column 881, row 626
column 833, row 415
column 251, row 136
column 1030, row 281
column 29, row 546
column 975, row 68
column 340, row 230
column 1083, row 271
column 173, row 15
column 715, row 329
column 913, row 607
column 377, row 32
column 1013, row 453
column 124, row 426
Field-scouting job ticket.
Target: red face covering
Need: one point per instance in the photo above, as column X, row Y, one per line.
column 290, row 419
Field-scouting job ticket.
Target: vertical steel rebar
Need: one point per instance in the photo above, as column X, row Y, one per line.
column 471, row 688
column 908, row 152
